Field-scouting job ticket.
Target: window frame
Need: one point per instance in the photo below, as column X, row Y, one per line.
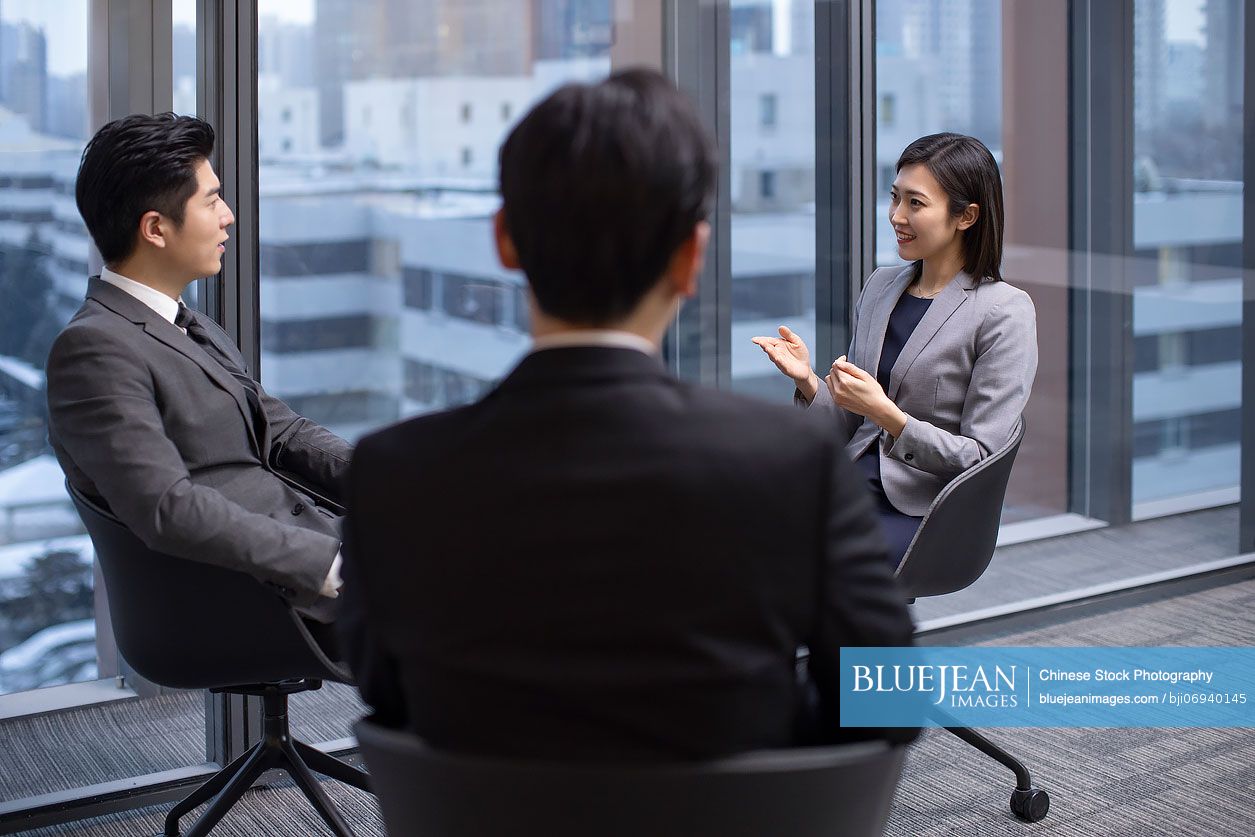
column 1246, row 514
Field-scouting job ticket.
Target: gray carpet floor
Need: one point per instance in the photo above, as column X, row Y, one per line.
column 1113, row 783
column 1108, row 782
column 82, row 747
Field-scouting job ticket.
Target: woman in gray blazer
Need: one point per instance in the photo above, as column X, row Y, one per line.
column 944, row 352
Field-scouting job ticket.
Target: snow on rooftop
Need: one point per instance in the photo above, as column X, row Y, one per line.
column 15, row 557
column 37, row 480
column 21, row 371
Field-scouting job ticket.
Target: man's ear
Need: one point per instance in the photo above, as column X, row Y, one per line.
column 152, row 228
column 686, row 263
column 506, row 253
column 970, row 213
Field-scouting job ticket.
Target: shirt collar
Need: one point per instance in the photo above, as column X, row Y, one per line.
column 595, row 337
column 165, row 306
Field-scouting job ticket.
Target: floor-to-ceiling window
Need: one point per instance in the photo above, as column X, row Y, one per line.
column 1187, row 243
column 47, row 625
column 1118, row 128
column 56, row 645
column 378, row 125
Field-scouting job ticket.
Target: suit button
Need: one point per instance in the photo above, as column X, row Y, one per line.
column 908, row 458
column 298, row 508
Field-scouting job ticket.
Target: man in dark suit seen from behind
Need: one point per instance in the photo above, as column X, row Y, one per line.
column 599, row 561
column 151, row 410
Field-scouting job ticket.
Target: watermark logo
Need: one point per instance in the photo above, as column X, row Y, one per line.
column 1048, row 687
column 951, row 685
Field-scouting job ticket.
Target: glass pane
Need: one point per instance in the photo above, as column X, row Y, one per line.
column 47, row 615
column 938, row 68
column 52, row 632
column 184, row 68
column 1187, row 239
column 381, row 296
column 772, row 185
column 183, row 52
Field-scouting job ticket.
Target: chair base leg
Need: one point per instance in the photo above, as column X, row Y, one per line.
column 1028, row 803
column 330, row 766
column 276, row 750
column 1022, row 780
column 204, row 793
column 304, row 779
column 259, row 761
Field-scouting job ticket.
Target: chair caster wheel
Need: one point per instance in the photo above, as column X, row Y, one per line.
column 1030, row 805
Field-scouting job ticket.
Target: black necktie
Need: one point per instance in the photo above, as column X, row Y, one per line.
column 187, row 319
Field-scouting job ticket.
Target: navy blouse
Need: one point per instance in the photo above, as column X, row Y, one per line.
column 902, row 322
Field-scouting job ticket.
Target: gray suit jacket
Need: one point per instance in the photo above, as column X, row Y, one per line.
column 962, row 378
column 143, row 419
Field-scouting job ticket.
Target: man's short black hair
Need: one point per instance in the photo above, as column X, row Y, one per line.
column 133, row 165
column 600, row 184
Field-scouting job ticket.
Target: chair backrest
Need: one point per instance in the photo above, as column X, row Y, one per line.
column 807, row 792
column 956, row 540
column 190, row 625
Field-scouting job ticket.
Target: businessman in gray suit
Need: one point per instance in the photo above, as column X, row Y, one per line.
column 150, row 408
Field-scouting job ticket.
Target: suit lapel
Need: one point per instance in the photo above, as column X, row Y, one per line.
column 167, row 333
column 942, row 308
column 171, row 336
column 223, row 346
column 878, row 322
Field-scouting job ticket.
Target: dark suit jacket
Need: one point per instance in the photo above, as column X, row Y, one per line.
column 600, row 561
column 144, row 419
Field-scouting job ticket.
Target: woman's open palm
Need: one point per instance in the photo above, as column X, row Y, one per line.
column 788, row 353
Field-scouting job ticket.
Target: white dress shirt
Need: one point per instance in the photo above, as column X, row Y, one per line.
column 595, row 337
column 165, row 306
column 168, row 308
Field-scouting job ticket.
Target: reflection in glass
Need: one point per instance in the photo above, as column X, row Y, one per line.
column 47, row 629
column 381, row 296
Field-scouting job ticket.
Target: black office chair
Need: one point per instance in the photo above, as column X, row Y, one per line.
column 807, row 792
column 168, row 619
column 952, row 548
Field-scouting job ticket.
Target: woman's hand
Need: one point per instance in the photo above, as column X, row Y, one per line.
column 792, row 358
column 857, row 391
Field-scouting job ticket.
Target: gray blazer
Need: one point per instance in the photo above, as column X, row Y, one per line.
column 962, row 378
column 142, row 418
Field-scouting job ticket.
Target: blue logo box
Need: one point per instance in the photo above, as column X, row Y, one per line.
column 1048, row 687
